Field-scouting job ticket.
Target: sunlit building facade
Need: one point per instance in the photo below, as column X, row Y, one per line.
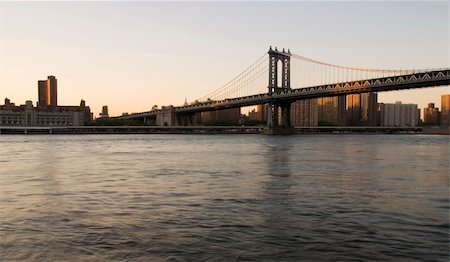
column 261, row 112
column 48, row 92
column 362, row 109
column 445, row 110
column 331, row 110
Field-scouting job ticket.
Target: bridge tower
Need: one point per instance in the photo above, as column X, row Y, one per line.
column 279, row 109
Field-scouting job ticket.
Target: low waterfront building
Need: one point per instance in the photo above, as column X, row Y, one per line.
column 28, row 115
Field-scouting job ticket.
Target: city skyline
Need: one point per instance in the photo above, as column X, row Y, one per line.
column 160, row 53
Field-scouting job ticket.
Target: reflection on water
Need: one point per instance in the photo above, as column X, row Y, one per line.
column 222, row 198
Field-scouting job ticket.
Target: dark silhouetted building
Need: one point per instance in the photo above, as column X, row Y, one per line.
column 253, row 115
column 104, row 113
column 369, row 109
column 222, row 116
column 43, row 93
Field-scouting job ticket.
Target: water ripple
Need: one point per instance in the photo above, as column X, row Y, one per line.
column 224, row 198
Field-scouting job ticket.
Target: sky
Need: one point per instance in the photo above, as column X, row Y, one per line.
column 133, row 55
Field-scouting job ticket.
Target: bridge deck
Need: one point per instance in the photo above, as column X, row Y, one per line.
column 400, row 82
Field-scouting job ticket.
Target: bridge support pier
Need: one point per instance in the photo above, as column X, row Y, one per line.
column 279, row 113
column 166, row 116
column 278, row 119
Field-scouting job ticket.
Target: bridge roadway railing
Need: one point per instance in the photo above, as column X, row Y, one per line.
column 432, row 78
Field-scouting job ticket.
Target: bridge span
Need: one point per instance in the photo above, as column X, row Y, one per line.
column 280, row 95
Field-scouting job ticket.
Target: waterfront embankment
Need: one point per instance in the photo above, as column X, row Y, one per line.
column 4, row 130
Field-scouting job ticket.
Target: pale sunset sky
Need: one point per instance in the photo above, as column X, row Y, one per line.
column 132, row 55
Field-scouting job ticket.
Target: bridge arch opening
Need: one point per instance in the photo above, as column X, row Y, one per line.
column 279, row 71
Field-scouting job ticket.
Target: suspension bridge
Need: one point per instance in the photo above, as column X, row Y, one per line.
column 280, row 77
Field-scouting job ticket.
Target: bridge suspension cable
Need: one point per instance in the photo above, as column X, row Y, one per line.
column 250, row 81
column 353, row 68
column 304, row 72
column 307, row 72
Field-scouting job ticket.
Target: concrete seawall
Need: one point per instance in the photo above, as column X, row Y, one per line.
column 130, row 130
column 5, row 130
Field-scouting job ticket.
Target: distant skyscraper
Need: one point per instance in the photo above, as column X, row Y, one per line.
column 48, row 92
column 104, row 111
column 445, row 110
column 399, row 115
column 431, row 115
column 53, row 87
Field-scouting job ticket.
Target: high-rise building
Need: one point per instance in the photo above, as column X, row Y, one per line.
column 48, row 92
column 399, row 115
column 331, row 110
column 369, row 109
column 445, row 110
column 104, row 113
column 353, row 114
column 362, row 109
column 431, row 115
column 53, row 87
column 43, row 93
column 304, row 113
column 261, row 112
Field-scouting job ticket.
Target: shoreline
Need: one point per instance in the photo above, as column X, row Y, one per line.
column 85, row 130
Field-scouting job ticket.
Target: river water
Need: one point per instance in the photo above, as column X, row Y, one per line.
column 224, row 198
